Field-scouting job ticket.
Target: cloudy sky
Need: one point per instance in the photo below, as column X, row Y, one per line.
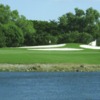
column 49, row 9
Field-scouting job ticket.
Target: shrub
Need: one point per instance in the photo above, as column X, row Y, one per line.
column 98, row 42
column 85, row 38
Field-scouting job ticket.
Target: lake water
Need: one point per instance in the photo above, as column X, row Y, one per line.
column 49, row 86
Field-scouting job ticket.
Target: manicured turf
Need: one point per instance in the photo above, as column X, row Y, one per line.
column 24, row 56
column 72, row 45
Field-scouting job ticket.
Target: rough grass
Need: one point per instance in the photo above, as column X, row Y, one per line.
column 49, row 67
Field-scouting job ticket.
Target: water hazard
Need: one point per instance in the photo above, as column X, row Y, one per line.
column 49, row 86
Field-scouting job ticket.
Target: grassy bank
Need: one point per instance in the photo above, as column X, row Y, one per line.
column 48, row 68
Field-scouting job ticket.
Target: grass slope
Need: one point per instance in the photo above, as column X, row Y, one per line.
column 24, row 56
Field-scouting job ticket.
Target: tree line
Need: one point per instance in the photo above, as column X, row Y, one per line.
column 79, row 27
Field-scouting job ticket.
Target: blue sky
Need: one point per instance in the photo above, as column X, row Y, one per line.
column 49, row 9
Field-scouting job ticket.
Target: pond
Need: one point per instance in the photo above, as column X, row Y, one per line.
column 49, row 86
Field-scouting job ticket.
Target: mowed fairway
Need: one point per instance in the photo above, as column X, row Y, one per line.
column 24, row 56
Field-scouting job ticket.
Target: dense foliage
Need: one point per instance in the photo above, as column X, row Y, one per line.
column 79, row 27
column 98, row 42
column 15, row 30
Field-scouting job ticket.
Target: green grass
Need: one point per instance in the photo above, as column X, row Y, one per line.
column 18, row 59
column 72, row 45
column 24, row 56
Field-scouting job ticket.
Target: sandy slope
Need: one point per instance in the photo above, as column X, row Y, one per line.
column 44, row 46
column 90, row 47
column 51, row 48
column 58, row 49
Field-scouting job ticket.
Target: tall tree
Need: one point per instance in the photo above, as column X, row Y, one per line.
column 27, row 29
column 13, row 34
column 92, row 19
column 2, row 37
column 4, row 14
column 63, row 22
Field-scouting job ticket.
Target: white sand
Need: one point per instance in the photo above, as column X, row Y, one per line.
column 58, row 49
column 90, row 47
column 51, row 48
column 44, row 46
column 55, row 47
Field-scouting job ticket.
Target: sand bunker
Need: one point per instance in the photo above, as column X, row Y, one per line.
column 89, row 47
column 45, row 46
column 58, row 49
column 51, row 48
